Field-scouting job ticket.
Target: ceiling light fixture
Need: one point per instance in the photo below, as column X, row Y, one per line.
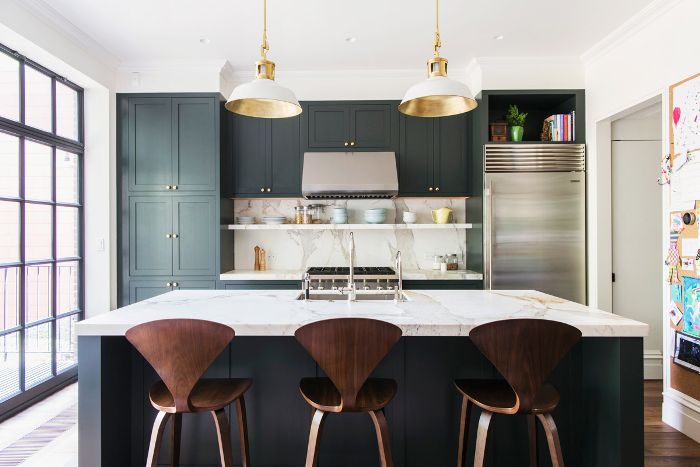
column 351, row 39
column 438, row 96
column 263, row 97
column 498, row 37
column 205, row 41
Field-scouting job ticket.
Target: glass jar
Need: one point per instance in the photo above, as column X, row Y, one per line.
column 437, row 261
column 298, row 214
column 452, row 262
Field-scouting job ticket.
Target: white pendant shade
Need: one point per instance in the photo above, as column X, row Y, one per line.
column 438, row 96
column 263, row 98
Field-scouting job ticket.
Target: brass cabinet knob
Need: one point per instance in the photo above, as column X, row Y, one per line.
column 346, row 144
column 262, row 189
column 269, row 190
column 430, row 189
column 437, row 188
column 168, row 236
column 352, row 143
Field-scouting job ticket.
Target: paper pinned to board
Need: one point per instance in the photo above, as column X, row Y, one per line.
column 689, row 246
column 688, row 264
column 676, row 293
column 675, row 313
column 676, row 222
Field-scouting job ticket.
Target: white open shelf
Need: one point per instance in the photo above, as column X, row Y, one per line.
column 345, row 226
column 296, row 275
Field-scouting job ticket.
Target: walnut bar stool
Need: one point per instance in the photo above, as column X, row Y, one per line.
column 348, row 350
column 181, row 350
column 525, row 352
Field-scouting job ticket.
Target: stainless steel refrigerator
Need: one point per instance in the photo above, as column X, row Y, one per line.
column 535, row 218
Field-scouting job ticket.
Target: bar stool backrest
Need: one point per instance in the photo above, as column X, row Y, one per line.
column 348, row 350
column 180, row 350
column 525, row 352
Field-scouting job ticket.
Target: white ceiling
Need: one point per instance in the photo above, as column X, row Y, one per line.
column 310, row 34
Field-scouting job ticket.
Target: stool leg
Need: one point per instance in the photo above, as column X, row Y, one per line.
column 463, row 431
column 223, row 432
column 550, row 428
column 315, row 438
column 532, row 436
column 383, row 439
column 177, row 429
column 481, row 434
column 243, row 431
column 156, row 438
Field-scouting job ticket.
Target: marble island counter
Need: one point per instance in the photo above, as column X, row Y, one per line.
column 424, row 313
column 599, row 418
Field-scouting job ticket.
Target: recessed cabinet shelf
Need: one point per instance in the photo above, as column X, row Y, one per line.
column 346, row 226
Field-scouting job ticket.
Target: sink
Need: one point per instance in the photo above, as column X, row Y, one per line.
column 360, row 297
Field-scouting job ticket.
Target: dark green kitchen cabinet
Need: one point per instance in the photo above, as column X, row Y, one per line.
column 352, row 126
column 143, row 289
column 172, row 235
column 266, row 157
column 433, row 156
column 172, row 143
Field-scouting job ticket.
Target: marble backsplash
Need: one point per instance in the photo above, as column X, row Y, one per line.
column 298, row 249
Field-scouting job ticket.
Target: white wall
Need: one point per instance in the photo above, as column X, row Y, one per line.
column 638, row 62
column 33, row 35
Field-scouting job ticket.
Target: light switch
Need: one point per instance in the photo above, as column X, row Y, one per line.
column 100, row 244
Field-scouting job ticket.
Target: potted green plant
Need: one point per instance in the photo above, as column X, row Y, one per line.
column 515, row 120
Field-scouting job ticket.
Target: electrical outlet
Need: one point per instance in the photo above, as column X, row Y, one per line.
column 100, row 244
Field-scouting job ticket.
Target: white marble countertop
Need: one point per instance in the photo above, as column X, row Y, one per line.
column 425, row 313
column 297, row 274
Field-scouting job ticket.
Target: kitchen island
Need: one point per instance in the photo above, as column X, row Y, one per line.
column 600, row 417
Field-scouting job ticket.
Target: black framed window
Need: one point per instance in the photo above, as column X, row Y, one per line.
column 41, row 228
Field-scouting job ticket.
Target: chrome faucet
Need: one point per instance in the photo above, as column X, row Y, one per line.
column 306, row 285
column 398, row 293
column 351, row 277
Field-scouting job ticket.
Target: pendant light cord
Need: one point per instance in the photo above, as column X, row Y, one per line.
column 265, row 46
column 437, row 43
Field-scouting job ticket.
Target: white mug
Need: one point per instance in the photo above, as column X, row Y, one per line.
column 409, row 217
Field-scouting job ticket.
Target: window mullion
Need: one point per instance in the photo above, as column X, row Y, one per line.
column 54, row 240
column 22, row 269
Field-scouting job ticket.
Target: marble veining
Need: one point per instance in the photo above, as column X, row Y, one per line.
column 299, row 249
column 425, row 313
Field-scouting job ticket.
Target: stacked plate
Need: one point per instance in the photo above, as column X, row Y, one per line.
column 375, row 216
column 273, row 220
column 245, row 220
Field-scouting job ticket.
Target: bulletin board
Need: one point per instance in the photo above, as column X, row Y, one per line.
column 681, row 169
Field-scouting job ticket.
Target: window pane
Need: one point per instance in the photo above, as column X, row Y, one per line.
column 66, row 343
column 37, row 96
column 38, row 231
column 67, row 188
column 66, row 111
column 9, row 87
column 9, row 232
column 9, row 164
column 67, row 232
column 68, row 286
column 37, row 359
column 9, row 365
column 38, row 175
column 38, row 285
column 9, row 298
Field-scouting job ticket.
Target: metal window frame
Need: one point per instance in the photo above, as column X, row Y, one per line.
column 27, row 396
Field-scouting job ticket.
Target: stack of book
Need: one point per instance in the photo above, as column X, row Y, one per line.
column 562, row 127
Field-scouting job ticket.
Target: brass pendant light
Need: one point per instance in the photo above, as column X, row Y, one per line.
column 438, row 96
column 263, row 97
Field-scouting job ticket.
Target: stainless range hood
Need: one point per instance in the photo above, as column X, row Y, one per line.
column 344, row 175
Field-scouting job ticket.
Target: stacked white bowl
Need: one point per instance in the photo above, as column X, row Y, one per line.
column 340, row 215
column 375, row 216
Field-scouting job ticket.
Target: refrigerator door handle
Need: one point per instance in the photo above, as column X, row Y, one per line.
column 488, row 192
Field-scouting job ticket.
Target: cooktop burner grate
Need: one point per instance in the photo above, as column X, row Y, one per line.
column 344, row 270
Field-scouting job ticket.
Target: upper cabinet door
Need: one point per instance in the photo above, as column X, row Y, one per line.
column 450, row 167
column 416, row 155
column 370, row 127
column 150, row 139
column 194, row 249
column 194, row 143
column 150, row 236
column 285, row 157
column 250, row 154
column 328, row 126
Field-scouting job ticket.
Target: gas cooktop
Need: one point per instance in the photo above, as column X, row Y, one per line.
column 344, row 271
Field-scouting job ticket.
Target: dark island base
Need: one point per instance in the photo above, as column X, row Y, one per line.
column 600, row 418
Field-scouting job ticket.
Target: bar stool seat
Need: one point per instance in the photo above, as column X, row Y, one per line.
column 496, row 395
column 206, row 396
column 322, row 394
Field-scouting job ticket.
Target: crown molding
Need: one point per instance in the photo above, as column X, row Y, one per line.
column 536, row 60
column 637, row 22
column 214, row 65
column 52, row 18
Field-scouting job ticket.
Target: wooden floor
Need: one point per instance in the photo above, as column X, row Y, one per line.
column 664, row 446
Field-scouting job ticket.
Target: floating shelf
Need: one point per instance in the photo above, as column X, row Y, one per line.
column 346, row 226
column 296, row 275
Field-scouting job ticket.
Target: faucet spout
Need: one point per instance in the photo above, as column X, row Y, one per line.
column 399, row 272
column 351, row 277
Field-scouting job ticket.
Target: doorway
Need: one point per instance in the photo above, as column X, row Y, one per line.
column 637, row 220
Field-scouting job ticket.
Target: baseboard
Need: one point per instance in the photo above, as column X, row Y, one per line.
column 653, row 364
column 681, row 413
